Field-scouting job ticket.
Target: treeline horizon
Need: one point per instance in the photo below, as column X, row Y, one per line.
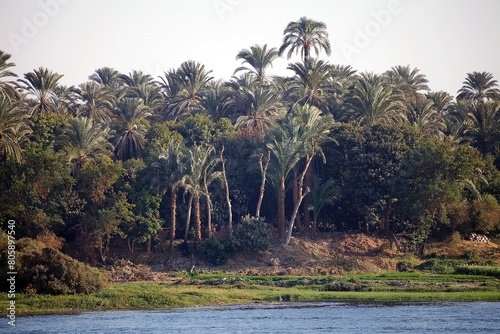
column 326, row 149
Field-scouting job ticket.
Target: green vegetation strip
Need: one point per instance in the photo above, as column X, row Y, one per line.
column 224, row 289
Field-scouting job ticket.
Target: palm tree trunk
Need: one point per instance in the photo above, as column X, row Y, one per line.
column 228, row 198
column 263, row 170
column 301, row 194
column 209, row 216
column 188, row 218
column 307, row 199
column 197, row 220
column 281, row 208
column 173, row 216
column 296, row 196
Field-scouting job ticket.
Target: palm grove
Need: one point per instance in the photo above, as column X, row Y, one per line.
column 328, row 148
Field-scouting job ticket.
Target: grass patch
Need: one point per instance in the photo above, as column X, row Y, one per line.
column 220, row 288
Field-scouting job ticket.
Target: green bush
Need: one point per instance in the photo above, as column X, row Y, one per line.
column 478, row 270
column 252, row 234
column 46, row 270
column 213, row 251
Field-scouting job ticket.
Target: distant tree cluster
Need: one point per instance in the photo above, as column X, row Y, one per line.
column 326, row 149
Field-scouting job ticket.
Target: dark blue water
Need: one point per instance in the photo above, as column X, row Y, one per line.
column 286, row 318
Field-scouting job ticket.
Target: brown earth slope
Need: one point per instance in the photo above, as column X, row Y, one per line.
column 327, row 253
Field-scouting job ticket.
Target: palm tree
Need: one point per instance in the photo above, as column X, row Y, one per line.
column 479, row 86
column 373, row 101
column 259, row 58
column 424, row 116
column 109, row 78
column 192, row 79
column 169, row 168
column 285, row 151
column 97, row 101
column 41, row 83
column 305, row 35
column 217, row 100
column 83, row 140
column 14, row 128
column 260, row 107
column 6, row 88
column 130, row 127
column 408, row 80
column 482, row 123
column 322, row 194
column 311, row 83
column 200, row 162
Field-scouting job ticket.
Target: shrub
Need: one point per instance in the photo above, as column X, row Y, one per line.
column 252, row 234
column 46, row 270
column 213, row 251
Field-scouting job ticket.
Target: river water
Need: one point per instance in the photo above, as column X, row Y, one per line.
column 283, row 318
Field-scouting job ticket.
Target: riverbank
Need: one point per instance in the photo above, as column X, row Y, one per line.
column 209, row 289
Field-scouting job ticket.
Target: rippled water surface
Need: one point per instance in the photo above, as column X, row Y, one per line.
column 286, row 318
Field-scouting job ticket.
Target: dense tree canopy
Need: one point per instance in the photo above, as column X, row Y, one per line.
column 131, row 156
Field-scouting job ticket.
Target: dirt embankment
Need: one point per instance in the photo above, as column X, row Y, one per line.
column 326, row 253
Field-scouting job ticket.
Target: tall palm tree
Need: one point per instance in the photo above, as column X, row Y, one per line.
column 423, row 115
column 299, row 136
column 6, row 87
column 305, row 35
column 191, row 78
column 311, row 83
column 408, row 80
column 130, row 126
column 40, row 83
column 84, row 140
column 217, row 100
column 479, row 86
column 169, row 168
column 259, row 58
column 482, row 123
column 200, row 161
column 374, row 101
column 109, row 78
column 97, row 101
column 285, row 151
column 259, row 108
column 14, row 128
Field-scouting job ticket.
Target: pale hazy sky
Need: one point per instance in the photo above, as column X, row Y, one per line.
column 445, row 39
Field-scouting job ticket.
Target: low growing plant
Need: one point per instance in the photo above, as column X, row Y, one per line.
column 252, row 234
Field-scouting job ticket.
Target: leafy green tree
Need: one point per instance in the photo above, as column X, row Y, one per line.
column 14, row 129
column 368, row 166
column 41, row 83
column 305, row 35
column 259, row 58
